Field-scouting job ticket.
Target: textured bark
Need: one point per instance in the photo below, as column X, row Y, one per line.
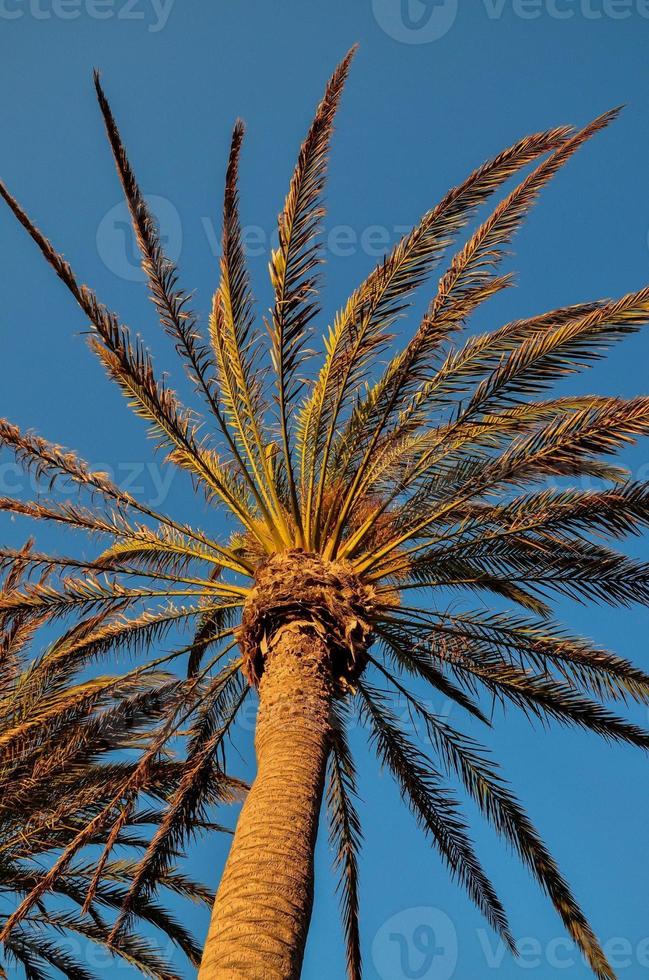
column 263, row 907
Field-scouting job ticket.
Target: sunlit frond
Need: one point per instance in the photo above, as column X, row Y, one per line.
column 236, row 342
column 293, row 264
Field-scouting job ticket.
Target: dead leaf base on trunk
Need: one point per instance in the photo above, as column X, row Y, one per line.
column 299, row 591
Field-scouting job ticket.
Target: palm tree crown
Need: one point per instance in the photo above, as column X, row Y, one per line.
column 361, row 492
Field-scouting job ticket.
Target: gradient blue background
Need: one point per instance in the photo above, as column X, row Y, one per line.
column 416, row 117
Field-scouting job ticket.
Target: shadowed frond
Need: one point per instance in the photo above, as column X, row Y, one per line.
column 345, row 837
column 64, row 742
column 222, row 700
column 544, row 647
column 465, row 758
column 433, row 805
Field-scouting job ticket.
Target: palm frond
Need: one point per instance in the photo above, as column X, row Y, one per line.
column 236, row 344
column 465, row 758
column 376, row 303
column 294, row 262
column 61, row 742
column 345, row 838
column 433, row 805
column 199, row 783
column 129, row 364
column 360, row 330
column 543, row 646
column 170, row 301
column 540, row 696
column 46, row 459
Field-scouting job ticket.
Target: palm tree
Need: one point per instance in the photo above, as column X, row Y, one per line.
column 55, row 732
column 363, row 495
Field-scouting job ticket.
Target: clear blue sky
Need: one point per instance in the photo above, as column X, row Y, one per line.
column 436, row 88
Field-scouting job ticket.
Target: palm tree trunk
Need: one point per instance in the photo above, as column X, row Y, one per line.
column 263, row 907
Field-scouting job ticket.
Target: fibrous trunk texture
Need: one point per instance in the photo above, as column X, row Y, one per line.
column 263, row 907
